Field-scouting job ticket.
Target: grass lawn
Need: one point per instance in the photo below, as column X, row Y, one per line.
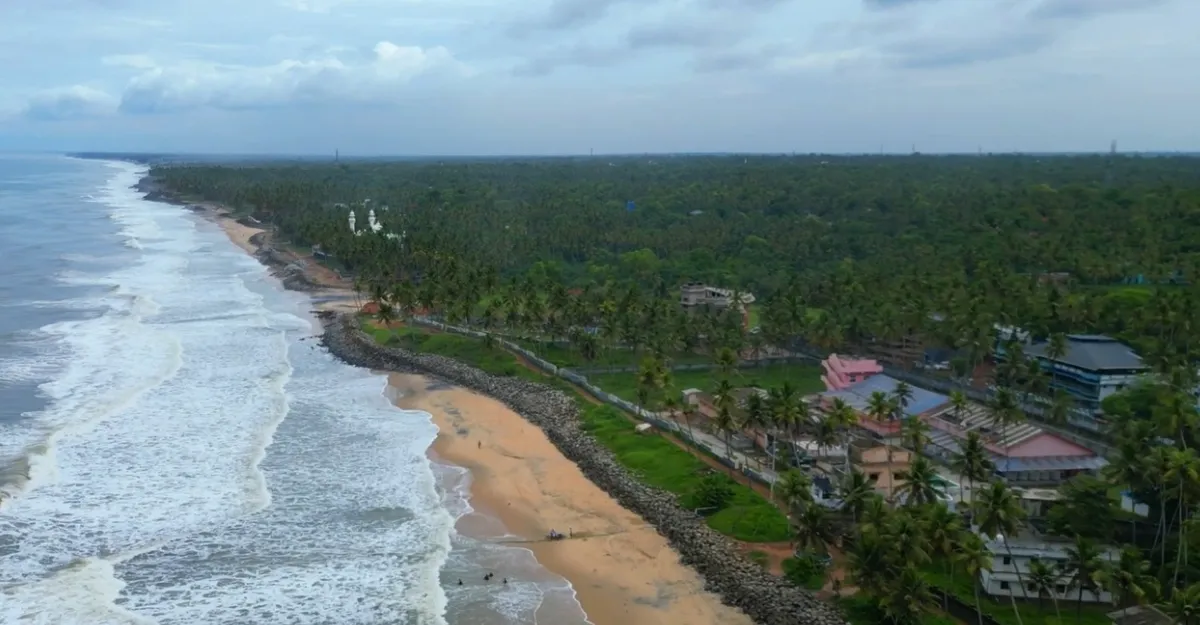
column 862, row 611
column 804, row 378
column 1031, row 612
column 656, row 460
column 564, row 356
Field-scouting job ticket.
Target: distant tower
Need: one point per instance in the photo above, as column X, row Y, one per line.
column 1112, row 150
column 337, row 156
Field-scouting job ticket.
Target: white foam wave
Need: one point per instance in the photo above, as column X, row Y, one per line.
column 199, row 463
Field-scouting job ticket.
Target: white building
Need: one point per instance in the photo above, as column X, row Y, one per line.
column 1003, row 580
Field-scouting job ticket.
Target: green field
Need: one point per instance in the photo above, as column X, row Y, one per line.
column 563, row 356
column 804, row 378
column 656, row 460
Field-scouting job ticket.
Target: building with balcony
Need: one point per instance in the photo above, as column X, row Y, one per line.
column 695, row 294
column 1092, row 368
column 1011, row 559
column 883, row 465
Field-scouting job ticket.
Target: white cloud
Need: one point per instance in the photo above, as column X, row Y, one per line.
column 77, row 101
column 380, row 78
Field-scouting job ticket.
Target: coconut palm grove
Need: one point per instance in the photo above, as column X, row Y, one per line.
column 986, row 279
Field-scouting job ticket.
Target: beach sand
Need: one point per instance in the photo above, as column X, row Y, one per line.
column 623, row 571
column 337, row 293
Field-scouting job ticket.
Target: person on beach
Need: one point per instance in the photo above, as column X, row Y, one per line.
column 460, row 582
column 505, row 580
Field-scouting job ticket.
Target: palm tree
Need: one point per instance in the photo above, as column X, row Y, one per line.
column 998, row 514
column 972, row 462
column 726, row 361
column 843, row 417
column 959, row 403
column 973, row 556
column 1005, row 412
column 1056, row 348
column 907, row 597
column 1129, row 580
column 1184, row 470
column 812, row 529
column 1084, row 568
column 794, row 490
column 1043, row 580
column 870, row 562
column 725, row 424
column 756, row 418
column 943, row 531
column 915, row 433
column 922, row 484
column 1184, row 606
column 855, row 491
column 385, row 314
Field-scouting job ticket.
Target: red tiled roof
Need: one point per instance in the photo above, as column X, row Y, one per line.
column 1048, row 445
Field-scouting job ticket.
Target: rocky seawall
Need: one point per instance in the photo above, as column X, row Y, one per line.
column 767, row 599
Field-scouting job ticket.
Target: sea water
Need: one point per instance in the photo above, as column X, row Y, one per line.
column 176, row 447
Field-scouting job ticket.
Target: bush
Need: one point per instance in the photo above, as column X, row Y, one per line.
column 714, row 491
column 805, row 571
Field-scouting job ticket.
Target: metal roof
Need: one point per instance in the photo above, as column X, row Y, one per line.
column 1092, row 352
column 858, row 395
column 1054, row 463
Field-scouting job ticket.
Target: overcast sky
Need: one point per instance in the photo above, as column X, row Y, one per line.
column 567, row 76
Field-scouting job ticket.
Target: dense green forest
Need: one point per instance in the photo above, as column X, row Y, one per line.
column 843, row 253
column 884, row 243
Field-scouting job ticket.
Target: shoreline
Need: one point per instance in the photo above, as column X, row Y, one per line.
column 622, row 571
column 699, row 550
column 662, row 591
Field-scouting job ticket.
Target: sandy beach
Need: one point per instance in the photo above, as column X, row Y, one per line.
column 624, row 573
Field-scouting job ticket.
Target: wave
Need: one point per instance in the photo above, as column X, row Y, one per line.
column 199, row 461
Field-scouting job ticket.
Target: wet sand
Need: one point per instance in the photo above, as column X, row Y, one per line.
column 623, row 571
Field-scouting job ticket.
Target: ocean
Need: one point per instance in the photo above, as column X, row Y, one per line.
column 176, row 447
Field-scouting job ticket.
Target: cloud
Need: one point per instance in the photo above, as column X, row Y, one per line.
column 73, row 102
column 693, row 34
column 1085, row 9
column 382, row 77
column 578, row 55
column 566, row 15
column 883, row 5
column 977, row 48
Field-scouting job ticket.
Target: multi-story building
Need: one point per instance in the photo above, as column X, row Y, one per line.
column 695, row 294
column 1011, row 560
column 1092, row 367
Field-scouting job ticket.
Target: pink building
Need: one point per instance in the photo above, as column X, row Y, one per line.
column 840, row 373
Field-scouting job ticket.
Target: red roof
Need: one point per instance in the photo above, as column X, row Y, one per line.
column 1048, row 445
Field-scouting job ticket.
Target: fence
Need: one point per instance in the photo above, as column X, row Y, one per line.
column 703, row 366
column 700, row 441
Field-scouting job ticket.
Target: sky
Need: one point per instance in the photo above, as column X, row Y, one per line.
column 495, row 77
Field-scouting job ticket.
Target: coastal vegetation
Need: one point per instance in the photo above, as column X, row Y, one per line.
column 580, row 260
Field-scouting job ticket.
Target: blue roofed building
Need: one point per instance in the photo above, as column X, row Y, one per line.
column 1092, row 368
column 858, row 397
